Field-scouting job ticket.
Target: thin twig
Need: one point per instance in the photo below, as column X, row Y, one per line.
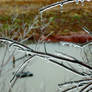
column 22, row 66
column 90, row 83
column 55, row 4
column 78, row 81
column 60, row 64
column 28, row 49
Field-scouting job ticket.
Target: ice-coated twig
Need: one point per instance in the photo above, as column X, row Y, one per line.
column 42, row 40
column 12, row 42
column 60, row 3
column 20, row 69
column 89, row 90
column 68, row 68
column 25, row 39
column 63, row 65
column 6, row 49
column 86, row 30
column 28, row 49
column 39, row 41
column 9, row 58
column 31, row 26
column 11, row 85
column 55, row 4
column 49, row 6
column 75, row 82
column 71, row 88
column 63, row 58
column 68, row 56
column 85, row 87
column 22, row 66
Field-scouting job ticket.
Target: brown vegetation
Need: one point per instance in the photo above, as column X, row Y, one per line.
column 69, row 22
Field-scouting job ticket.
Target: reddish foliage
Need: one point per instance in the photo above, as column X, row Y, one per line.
column 71, row 38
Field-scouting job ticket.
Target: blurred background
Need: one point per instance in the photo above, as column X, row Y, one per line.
column 68, row 21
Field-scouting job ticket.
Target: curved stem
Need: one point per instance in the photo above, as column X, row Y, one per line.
column 28, row 49
column 55, row 4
